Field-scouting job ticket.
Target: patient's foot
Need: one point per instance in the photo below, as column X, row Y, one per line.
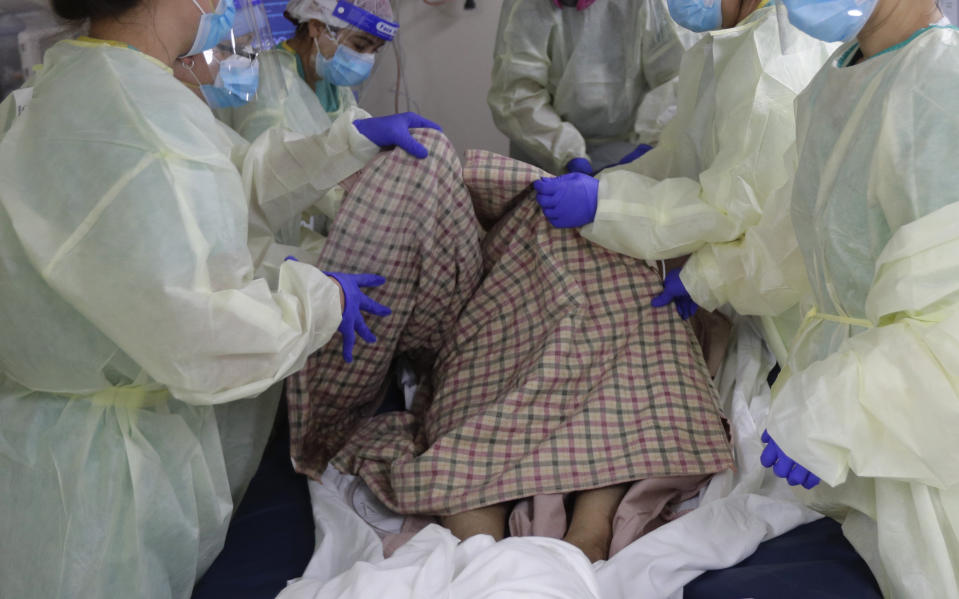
column 490, row 520
column 591, row 528
column 595, row 544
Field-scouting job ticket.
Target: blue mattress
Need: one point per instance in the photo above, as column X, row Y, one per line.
column 811, row 561
column 271, row 536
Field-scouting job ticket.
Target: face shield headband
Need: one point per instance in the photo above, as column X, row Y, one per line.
column 365, row 21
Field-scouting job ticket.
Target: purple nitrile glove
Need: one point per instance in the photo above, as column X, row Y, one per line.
column 394, row 130
column 785, row 467
column 635, row 154
column 579, row 165
column 354, row 303
column 568, row 200
column 675, row 291
column 355, row 300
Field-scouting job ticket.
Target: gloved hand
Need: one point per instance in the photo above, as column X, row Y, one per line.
column 394, row 130
column 636, row 153
column 568, row 200
column 579, row 165
column 784, row 467
column 355, row 301
column 675, row 291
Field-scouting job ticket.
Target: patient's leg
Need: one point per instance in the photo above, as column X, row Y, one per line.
column 489, row 520
column 558, row 376
column 412, row 222
column 591, row 528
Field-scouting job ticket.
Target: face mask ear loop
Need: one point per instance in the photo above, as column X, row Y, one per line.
column 188, row 65
column 200, row 8
column 316, row 57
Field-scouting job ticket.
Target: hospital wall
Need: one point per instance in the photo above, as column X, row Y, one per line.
column 950, row 8
column 447, row 56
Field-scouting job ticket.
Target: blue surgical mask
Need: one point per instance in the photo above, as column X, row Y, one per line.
column 347, row 67
column 220, row 97
column 697, row 15
column 235, row 84
column 239, row 75
column 213, row 26
column 830, row 20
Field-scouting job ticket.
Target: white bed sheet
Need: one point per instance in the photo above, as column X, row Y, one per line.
column 737, row 511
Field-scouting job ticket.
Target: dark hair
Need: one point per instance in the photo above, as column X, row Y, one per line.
column 287, row 16
column 92, row 9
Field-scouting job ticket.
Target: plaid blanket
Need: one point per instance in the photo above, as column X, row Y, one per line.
column 412, row 222
column 559, row 375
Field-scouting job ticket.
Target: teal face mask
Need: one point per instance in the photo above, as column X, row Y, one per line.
column 347, row 67
column 213, row 26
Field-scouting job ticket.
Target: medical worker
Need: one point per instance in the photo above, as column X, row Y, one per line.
column 293, row 93
column 868, row 400
column 710, row 189
column 129, row 305
column 577, row 84
column 335, row 45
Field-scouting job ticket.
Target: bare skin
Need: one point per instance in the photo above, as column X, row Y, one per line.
column 893, row 22
column 734, row 11
column 163, row 29
column 489, row 520
column 591, row 528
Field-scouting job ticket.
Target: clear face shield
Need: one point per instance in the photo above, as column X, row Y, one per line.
column 230, row 74
column 355, row 39
column 358, row 35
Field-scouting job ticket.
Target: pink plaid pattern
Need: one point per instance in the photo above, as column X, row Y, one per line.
column 411, row 221
column 559, row 376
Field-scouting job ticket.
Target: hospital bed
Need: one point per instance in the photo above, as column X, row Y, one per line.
column 750, row 537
